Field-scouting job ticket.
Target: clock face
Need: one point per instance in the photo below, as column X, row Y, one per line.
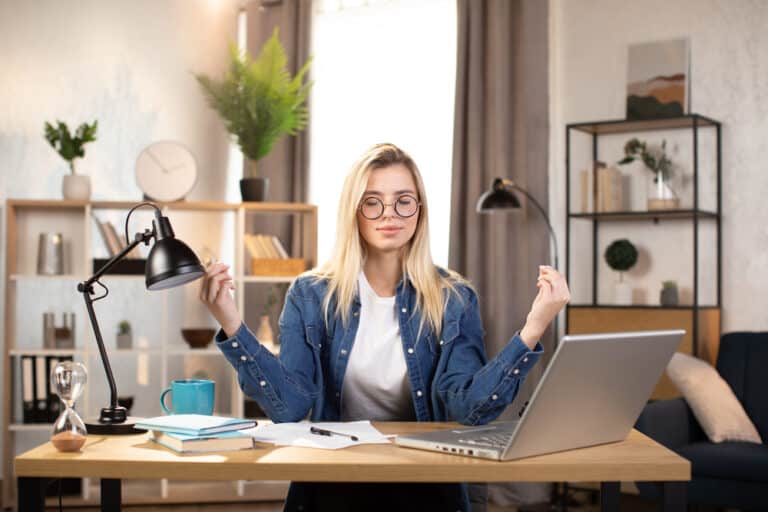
column 166, row 171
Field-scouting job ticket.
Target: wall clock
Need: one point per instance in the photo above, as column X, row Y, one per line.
column 166, row 171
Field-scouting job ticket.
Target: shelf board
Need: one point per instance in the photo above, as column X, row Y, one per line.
column 30, row 427
column 646, row 215
column 186, row 351
column 627, row 126
column 637, row 306
column 45, row 351
column 38, row 277
column 268, row 279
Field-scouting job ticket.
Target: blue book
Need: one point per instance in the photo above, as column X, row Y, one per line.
column 183, row 443
column 195, row 424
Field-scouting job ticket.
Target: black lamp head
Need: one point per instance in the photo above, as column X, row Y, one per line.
column 498, row 198
column 170, row 262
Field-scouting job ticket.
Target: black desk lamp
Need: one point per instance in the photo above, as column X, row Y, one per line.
column 170, row 263
column 500, row 198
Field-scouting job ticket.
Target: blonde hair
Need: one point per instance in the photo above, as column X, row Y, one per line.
column 349, row 252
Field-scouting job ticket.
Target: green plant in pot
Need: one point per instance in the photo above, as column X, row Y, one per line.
column 668, row 295
column 259, row 102
column 660, row 196
column 71, row 147
column 621, row 256
column 124, row 338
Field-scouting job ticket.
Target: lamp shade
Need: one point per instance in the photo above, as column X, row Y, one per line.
column 497, row 198
column 170, row 262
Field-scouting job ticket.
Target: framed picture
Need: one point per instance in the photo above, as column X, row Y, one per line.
column 657, row 79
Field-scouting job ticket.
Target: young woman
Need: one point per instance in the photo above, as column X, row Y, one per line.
column 381, row 333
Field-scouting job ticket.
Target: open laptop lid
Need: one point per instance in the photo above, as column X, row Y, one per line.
column 593, row 390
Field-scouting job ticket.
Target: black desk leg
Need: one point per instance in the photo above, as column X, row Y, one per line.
column 609, row 496
column 110, row 495
column 30, row 493
column 675, row 496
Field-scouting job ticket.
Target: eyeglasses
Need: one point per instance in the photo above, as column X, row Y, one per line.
column 405, row 206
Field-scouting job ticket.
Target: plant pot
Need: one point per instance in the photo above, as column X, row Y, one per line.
column 124, row 341
column 668, row 296
column 622, row 294
column 254, row 189
column 76, row 187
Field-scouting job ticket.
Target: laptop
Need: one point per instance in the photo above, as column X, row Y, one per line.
column 591, row 393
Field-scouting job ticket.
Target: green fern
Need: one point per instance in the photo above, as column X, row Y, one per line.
column 65, row 144
column 258, row 100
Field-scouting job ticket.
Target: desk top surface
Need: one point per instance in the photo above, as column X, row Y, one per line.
column 638, row 458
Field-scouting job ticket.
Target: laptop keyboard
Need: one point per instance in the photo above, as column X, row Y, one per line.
column 497, row 439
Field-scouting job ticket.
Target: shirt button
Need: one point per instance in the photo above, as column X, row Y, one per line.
column 418, row 392
column 516, row 371
column 356, row 313
column 262, row 383
column 442, row 342
column 243, row 358
column 494, row 397
column 525, row 359
column 410, row 351
column 404, row 310
column 234, row 344
column 343, row 351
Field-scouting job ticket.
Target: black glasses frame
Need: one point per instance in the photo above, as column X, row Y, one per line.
column 384, row 205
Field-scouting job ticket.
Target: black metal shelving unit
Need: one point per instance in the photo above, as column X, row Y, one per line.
column 692, row 122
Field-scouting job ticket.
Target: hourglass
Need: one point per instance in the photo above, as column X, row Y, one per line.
column 69, row 431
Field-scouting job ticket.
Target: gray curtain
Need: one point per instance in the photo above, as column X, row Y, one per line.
column 502, row 129
column 287, row 165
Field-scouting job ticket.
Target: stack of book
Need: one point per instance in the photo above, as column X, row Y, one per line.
column 198, row 433
column 269, row 257
column 115, row 243
column 602, row 189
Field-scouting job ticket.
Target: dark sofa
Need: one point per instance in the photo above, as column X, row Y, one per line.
column 729, row 474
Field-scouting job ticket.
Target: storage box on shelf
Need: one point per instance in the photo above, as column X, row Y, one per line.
column 158, row 351
column 683, row 243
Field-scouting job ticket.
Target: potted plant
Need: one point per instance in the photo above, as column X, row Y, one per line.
column 124, row 338
column 621, row 255
column 661, row 196
column 259, row 101
column 75, row 186
column 668, row 295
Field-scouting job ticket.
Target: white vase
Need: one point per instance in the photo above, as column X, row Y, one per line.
column 660, row 194
column 76, row 187
column 622, row 294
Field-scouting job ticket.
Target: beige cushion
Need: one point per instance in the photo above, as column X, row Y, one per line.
column 711, row 399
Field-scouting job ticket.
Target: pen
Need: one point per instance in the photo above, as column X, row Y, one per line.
column 324, row 432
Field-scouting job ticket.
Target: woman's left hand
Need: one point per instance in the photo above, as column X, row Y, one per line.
column 552, row 297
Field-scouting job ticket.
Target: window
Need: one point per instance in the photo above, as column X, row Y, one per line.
column 384, row 71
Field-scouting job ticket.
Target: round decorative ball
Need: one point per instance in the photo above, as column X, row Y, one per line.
column 621, row 255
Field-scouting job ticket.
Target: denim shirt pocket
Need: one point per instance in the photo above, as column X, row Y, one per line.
column 450, row 332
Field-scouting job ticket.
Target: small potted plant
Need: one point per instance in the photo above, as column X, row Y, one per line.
column 124, row 337
column 259, row 102
column 621, row 255
column 75, row 186
column 661, row 196
column 668, row 295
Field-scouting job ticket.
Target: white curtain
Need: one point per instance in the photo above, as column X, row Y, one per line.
column 384, row 71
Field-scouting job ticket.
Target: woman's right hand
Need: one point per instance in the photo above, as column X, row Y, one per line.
column 215, row 294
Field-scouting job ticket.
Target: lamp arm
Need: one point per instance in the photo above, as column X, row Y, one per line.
column 86, row 288
column 512, row 184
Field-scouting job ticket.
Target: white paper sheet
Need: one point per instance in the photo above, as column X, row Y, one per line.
column 298, row 434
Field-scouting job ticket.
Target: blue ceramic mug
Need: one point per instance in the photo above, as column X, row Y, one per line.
column 189, row 396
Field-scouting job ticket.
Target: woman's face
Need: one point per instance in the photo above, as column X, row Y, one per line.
column 392, row 230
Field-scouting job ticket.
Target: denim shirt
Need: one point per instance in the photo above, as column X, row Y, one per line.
column 450, row 377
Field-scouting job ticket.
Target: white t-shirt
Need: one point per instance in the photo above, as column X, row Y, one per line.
column 376, row 385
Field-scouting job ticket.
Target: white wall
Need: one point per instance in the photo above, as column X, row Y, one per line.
column 729, row 82
column 127, row 64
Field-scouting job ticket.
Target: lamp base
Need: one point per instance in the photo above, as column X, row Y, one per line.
column 127, row 427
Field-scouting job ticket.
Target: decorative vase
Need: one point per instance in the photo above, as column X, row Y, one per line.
column 265, row 335
column 660, row 194
column 622, row 294
column 124, row 341
column 253, row 188
column 76, row 187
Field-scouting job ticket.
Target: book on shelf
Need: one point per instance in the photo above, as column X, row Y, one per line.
column 195, row 424
column 112, row 240
column 185, row 443
column 261, row 246
column 602, row 189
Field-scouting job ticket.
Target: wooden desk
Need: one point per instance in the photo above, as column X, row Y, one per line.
column 112, row 458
